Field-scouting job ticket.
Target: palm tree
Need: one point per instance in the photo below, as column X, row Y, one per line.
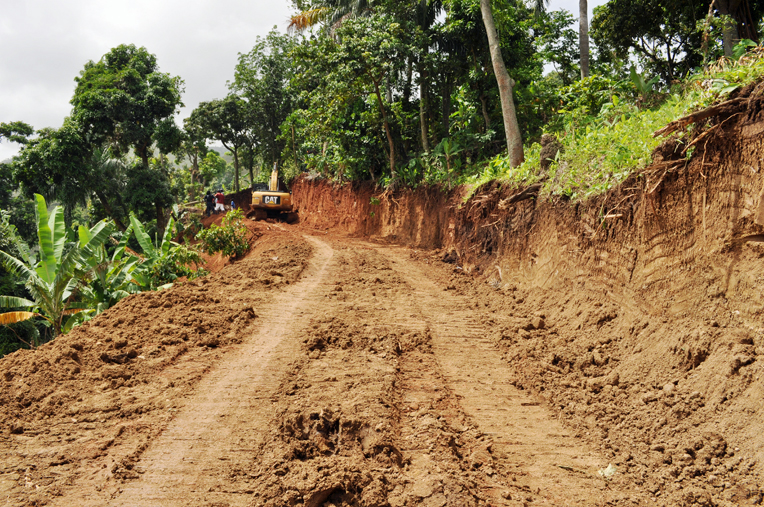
column 505, row 83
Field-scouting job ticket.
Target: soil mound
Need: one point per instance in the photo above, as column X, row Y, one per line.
column 120, row 376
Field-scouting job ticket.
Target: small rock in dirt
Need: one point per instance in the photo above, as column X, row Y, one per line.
column 648, row 397
column 739, row 361
column 598, row 358
column 612, row 379
column 595, row 384
column 669, row 388
column 524, row 334
column 538, row 323
column 120, row 343
column 451, row 257
column 481, row 456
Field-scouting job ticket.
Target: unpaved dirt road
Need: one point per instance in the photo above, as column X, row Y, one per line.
column 366, row 382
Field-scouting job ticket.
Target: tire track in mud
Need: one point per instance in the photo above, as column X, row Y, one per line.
column 366, row 385
column 362, row 418
column 539, row 458
column 189, row 462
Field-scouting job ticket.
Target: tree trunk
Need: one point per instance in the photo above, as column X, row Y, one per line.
column 235, row 152
column 108, row 209
column 423, row 76
column 583, row 36
column 161, row 221
column 511, row 127
column 387, row 128
column 484, row 110
column 730, row 34
column 423, row 107
column 446, row 105
column 236, row 170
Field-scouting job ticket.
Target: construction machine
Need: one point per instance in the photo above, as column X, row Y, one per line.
column 272, row 200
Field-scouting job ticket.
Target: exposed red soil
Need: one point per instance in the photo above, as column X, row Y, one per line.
column 505, row 355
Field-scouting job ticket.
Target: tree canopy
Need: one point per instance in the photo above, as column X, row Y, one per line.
column 123, row 100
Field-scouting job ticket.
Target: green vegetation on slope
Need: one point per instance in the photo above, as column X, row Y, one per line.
column 601, row 150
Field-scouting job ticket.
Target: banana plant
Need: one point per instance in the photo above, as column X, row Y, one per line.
column 51, row 279
column 104, row 279
column 152, row 253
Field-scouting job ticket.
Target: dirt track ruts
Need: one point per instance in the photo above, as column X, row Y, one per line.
column 216, row 423
column 464, row 435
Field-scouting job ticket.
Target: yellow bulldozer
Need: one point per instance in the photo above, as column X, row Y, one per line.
column 273, row 200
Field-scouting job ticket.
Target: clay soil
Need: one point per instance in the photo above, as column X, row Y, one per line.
column 435, row 352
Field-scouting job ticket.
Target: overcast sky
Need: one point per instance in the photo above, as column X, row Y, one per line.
column 45, row 44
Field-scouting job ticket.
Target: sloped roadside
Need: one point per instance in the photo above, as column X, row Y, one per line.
column 89, row 403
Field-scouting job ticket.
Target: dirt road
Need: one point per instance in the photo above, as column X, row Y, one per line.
column 370, row 380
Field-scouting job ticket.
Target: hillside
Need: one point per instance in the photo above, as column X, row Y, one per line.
column 422, row 349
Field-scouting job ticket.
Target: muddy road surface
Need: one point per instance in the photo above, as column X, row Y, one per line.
column 328, row 372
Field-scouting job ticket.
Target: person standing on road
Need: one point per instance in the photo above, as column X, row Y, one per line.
column 209, row 200
column 219, row 201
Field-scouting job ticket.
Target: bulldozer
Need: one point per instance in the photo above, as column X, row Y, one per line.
column 273, row 200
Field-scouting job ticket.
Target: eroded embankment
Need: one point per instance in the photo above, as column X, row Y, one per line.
column 636, row 315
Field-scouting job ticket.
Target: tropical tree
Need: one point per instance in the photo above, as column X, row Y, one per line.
column 16, row 132
column 123, row 100
column 506, row 83
column 262, row 79
column 163, row 261
column 226, row 121
column 50, row 280
column 212, row 166
column 104, row 279
column 663, row 34
column 340, row 73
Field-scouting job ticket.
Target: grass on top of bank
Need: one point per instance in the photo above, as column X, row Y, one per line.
column 601, row 150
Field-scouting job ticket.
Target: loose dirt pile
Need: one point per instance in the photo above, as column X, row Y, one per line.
column 100, row 393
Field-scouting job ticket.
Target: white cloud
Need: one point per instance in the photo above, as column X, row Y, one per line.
column 47, row 42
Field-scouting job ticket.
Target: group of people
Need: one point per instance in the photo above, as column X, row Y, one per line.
column 215, row 202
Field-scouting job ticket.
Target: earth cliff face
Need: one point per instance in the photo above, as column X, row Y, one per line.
column 651, row 298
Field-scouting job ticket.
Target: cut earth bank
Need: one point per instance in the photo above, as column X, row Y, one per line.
column 636, row 315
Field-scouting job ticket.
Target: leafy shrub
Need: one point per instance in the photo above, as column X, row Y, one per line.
column 230, row 238
column 174, row 265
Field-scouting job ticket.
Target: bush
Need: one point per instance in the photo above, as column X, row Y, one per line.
column 230, row 238
column 174, row 265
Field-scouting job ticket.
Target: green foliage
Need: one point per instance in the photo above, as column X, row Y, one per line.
column 212, row 166
column 16, row 132
column 124, row 100
column 175, row 264
column 262, row 78
column 346, row 121
column 51, row 279
column 230, row 238
column 609, row 146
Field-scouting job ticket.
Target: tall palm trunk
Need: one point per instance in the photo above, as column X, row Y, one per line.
column 583, row 36
column 423, row 76
column 511, row 127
